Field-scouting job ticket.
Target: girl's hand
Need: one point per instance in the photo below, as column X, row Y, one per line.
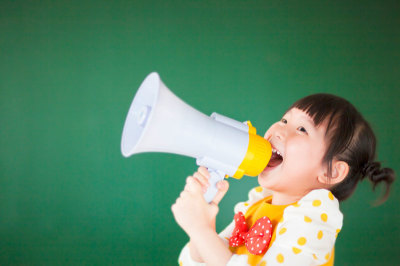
column 191, row 211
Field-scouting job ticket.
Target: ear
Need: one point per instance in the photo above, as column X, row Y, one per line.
column 340, row 169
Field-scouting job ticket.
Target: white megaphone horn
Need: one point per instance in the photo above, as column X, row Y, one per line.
column 159, row 121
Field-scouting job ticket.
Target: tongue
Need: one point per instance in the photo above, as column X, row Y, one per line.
column 275, row 160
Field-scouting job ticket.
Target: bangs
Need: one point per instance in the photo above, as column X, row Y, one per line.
column 321, row 107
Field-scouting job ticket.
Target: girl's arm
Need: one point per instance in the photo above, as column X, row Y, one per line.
column 189, row 254
column 211, row 247
column 194, row 254
column 197, row 219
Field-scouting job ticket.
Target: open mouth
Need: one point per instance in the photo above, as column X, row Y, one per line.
column 276, row 158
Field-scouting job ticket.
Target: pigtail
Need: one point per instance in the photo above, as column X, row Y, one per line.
column 378, row 175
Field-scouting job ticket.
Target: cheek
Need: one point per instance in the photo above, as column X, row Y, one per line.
column 301, row 155
column 297, row 148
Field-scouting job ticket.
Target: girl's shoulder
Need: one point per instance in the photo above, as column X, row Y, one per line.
column 320, row 197
column 321, row 204
column 319, row 208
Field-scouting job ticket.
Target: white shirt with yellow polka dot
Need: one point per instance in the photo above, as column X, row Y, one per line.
column 305, row 236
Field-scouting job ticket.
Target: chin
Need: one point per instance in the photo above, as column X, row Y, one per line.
column 263, row 179
column 268, row 178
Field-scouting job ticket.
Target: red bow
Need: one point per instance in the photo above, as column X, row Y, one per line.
column 256, row 239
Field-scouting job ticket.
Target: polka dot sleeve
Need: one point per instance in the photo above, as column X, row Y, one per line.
column 307, row 232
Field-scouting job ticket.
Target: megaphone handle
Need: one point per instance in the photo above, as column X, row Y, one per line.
column 215, row 177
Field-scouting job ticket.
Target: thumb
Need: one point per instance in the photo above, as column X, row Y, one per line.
column 223, row 187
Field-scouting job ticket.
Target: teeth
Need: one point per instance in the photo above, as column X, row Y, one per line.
column 276, row 151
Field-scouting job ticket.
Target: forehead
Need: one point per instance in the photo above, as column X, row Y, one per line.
column 300, row 114
column 303, row 116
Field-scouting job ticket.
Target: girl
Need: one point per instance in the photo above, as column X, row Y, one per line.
column 322, row 148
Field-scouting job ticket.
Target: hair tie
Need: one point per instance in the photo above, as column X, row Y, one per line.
column 364, row 169
column 369, row 169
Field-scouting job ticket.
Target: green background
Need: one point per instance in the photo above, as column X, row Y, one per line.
column 69, row 70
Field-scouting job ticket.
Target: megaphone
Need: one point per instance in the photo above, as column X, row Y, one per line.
column 159, row 121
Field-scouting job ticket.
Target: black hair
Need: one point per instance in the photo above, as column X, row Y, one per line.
column 350, row 139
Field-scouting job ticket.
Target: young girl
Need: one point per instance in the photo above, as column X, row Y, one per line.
column 322, row 148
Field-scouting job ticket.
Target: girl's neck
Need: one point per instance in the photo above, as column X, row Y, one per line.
column 279, row 198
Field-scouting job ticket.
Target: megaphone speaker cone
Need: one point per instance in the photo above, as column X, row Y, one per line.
column 139, row 113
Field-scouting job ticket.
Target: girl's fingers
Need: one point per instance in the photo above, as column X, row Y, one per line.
column 204, row 171
column 193, row 184
column 202, row 179
column 223, row 187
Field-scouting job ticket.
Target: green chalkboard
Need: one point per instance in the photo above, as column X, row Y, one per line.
column 69, row 70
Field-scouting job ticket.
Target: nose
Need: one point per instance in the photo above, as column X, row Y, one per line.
column 276, row 131
column 280, row 133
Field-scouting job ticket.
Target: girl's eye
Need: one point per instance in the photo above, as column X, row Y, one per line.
column 302, row 129
column 283, row 120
